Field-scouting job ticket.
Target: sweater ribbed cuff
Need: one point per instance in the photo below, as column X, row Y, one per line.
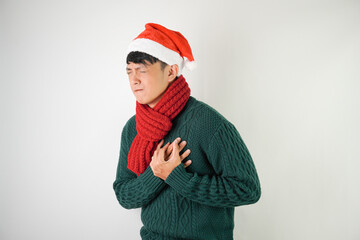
column 178, row 178
column 149, row 180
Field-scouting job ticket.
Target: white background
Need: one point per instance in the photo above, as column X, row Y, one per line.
column 286, row 73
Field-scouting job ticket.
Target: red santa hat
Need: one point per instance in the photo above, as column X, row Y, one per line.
column 167, row 45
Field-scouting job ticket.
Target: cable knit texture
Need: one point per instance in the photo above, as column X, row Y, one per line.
column 152, row 124
column 196, row 202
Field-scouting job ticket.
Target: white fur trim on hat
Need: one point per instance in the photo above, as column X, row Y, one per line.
column 161, row 52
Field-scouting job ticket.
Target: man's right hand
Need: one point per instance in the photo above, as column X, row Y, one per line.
column 170, row 148
column 160, row 163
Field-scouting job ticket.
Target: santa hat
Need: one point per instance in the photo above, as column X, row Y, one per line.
column 167, row 45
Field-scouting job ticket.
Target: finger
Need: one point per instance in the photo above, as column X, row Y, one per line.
column 182, row 145
column 185, row 154
column 163, row 149
column 176, row 140
column 160, row 144
column 175, row 147
column 169, row 150
column 187, row 163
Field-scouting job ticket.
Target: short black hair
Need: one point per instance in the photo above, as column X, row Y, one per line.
column 141, row 57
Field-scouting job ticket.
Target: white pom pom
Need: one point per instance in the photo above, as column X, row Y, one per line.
column 190, row 65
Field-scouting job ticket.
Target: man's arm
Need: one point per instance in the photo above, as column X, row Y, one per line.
column 134, row 191
column 237, row 182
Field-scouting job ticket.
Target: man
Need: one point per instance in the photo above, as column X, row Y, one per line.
column 179, row 198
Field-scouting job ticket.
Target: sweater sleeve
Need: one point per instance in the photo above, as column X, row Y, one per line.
column 235, row 182
column 134, row 191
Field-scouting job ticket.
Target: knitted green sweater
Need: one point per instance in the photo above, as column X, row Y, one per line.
column 196, row 202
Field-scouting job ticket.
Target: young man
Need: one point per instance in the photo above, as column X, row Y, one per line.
column 179, row 198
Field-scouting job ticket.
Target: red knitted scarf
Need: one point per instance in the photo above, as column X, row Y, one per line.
column 152, row 124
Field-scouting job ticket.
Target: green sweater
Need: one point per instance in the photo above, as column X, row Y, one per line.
column 196, row 202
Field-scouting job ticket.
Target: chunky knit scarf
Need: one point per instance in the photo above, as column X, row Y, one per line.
column 152, row 124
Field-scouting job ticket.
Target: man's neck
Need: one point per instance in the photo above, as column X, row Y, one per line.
column 153, row 105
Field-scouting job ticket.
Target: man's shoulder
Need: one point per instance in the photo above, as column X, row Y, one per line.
column 206, row 123
column 131, row 121
column 208, row 115
column 130, row 126
column 207, row 120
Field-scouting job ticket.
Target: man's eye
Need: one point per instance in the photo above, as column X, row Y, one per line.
column 143, row 71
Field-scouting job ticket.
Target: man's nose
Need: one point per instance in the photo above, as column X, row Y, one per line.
column 134, row 79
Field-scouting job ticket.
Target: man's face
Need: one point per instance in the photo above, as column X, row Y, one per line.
column 148, row 82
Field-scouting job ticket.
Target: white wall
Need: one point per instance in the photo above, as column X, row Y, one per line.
column 286, row 73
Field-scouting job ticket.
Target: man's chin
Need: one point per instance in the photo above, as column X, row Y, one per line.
column 141, row 101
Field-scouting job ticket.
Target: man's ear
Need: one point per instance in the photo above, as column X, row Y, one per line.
column 173, row 71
